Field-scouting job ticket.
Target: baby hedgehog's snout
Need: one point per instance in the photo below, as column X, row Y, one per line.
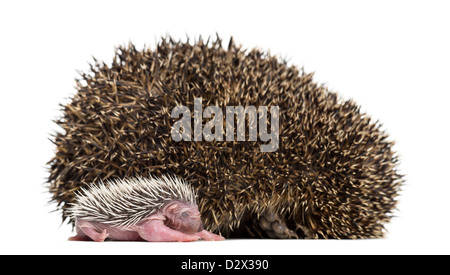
column 183, row 217
column 201, row 227
column 195, row 223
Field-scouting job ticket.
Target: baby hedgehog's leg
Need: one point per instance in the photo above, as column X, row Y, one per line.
column 208, row 236
column 178, row 224
column 88, row 231
column 177, row 221
column 157, row 231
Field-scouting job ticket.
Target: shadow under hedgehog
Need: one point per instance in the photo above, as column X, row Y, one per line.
column 333, row 175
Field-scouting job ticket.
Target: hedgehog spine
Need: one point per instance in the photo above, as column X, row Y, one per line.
column 125, row 202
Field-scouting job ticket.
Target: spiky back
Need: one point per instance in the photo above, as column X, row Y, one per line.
column 124, row 203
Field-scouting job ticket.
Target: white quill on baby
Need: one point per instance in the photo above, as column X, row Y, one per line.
column 125, row 202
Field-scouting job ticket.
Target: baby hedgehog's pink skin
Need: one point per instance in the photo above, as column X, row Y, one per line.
column 175, row 222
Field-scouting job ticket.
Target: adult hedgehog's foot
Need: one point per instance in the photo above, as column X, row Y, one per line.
column 273, row 226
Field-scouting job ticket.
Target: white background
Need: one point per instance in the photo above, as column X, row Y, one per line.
column 391, row 57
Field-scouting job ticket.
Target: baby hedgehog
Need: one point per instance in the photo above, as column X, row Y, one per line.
column 152, row 209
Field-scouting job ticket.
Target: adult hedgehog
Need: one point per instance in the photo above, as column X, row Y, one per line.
column 333, row 175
